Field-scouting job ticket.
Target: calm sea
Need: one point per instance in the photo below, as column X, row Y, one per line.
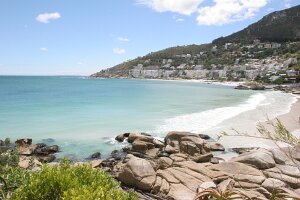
column 84, row 115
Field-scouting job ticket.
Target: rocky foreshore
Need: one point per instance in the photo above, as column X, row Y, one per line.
column 183, row 164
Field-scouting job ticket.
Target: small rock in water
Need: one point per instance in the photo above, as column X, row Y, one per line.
column 204, row 136
column 96, row 155
column 214, row 146
column 120, row 138
column 243, row 149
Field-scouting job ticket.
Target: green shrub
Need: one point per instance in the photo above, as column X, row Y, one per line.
column 66, row 182
column 12, row 178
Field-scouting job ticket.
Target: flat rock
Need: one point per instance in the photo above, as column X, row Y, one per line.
column 271, row 183
column 169, row 177
column 202, row 169
column 261, row 159
column 234, row 168
column 249, row 178
column 180, row 192
column 289, row 180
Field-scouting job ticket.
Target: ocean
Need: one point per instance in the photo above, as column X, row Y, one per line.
column 84, row 115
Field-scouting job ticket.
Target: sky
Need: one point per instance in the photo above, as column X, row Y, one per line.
column 68, row 37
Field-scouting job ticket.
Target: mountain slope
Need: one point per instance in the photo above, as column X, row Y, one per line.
column 279, row 26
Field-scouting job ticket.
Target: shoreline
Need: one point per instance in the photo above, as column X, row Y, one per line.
column 290, row 120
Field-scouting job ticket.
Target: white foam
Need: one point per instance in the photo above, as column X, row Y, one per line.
column 198, row 122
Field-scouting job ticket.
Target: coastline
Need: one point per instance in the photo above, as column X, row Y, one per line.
column 290, row 120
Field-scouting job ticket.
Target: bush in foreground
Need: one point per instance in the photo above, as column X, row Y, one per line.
column 66, row 182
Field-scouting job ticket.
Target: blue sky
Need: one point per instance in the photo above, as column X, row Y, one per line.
column 67, row 37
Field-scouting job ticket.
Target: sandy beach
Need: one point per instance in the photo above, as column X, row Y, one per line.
column 290, row 120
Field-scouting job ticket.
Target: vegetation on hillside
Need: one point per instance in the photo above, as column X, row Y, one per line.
column 279, row 26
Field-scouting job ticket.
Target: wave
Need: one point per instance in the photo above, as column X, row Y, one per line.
column 198, row 122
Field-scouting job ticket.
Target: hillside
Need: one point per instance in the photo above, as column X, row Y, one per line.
column 279, row 26
column 274, row 35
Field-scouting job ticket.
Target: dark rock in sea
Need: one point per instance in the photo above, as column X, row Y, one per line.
column 41, row 145
column 241, row 87
column 257, row 87
column 242, row 149
column 204, row 136
column 120, row 138
column 96, row 155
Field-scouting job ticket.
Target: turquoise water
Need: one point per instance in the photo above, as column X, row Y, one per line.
column 83, row 115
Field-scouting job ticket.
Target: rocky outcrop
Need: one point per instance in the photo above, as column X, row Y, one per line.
column 181, row 166
column 40, row 151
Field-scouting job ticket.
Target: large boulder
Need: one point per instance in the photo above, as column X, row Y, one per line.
column 261, row 159
column 185, row 142
column 138, row 173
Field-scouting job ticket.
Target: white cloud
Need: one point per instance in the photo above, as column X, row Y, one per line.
column 227, row 11
column 287, row 3
column 46, row 17
column 123, row 39
column 185, row 7
column 177, row 19
column 43, row 49
column 119, row 51
column 79, row 63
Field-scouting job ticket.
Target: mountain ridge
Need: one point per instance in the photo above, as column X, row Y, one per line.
column 277, row 27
